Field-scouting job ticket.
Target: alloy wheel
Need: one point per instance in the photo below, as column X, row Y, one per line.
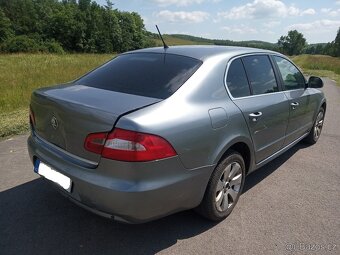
column 318, row 125
column 228, row 187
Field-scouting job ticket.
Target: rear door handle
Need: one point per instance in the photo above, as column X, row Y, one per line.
column 255, row 115
column 294, row 105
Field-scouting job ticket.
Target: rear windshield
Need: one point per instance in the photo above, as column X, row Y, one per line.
column 154, row 75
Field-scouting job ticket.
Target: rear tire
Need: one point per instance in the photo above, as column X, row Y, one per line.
column 315, row 132
column 224, row 188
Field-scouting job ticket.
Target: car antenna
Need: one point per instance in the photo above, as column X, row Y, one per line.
column 160, row 35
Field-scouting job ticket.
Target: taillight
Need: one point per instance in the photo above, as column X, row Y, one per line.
column 32, row 118
column 125, row 145
column 95, row 142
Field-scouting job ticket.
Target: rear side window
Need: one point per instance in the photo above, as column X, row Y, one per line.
column 237, row 80
column 291, row 76
column 260, row 74
column 154, row 75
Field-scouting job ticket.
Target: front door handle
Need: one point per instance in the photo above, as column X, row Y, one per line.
column 294, row 105
column 255, row 116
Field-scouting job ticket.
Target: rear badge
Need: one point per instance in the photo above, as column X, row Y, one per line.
column 54, row 122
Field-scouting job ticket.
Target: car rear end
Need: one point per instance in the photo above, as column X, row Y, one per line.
column 76, row 141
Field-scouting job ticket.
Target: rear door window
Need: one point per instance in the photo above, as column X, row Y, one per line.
column 291, row 76
column 154, row 75
column 237, row 80
column 260, row 74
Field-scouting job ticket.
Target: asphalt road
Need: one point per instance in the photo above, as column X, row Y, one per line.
column 290, row 206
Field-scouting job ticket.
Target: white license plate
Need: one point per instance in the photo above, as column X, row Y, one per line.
column 53, row 175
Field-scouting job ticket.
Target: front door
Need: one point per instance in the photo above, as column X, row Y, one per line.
column 301, row 113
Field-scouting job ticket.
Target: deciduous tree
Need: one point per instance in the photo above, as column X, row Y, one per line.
column 293, row 43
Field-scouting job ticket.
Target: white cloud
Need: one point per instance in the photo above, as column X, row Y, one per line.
column 317, row 26
column 337, row 2
column 330, row 12
column 290, row 11
column 177, row 2
column 263, row 9
column 240, row 29
column 271, row 24
column 309, row 11
column 180, row 16
column 146, row 20
column 325, row 10
column 182, row 2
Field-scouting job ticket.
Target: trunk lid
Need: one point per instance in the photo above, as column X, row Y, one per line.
column 66, row 114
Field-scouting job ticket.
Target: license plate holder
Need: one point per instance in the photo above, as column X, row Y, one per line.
column 53, row 175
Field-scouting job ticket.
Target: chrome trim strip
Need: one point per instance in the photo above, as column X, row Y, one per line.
column 254, row 54
column 276, row 154
column 64, row 154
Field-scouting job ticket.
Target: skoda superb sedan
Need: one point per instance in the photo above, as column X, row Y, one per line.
column 156, row 131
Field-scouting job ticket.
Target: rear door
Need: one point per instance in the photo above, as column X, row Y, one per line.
column 301, row 109
column 253, row 87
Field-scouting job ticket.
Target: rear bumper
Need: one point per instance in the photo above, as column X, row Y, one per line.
column 131, row 192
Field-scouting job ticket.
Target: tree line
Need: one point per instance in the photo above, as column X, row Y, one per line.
column 294, row 43
column 69, row 25
column 57, row 26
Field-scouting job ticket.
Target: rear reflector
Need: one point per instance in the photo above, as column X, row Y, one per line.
column 125, row 145
column 95, row 142
column 32, row 118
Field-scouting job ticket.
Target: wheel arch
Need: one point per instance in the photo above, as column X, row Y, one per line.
column 324, row 106
column 243, row 147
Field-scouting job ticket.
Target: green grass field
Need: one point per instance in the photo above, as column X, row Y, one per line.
column 20, row 74
column 319, row 65
column 173, row 40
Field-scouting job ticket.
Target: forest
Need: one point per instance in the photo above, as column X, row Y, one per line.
column 83, row 26
column 69, row 25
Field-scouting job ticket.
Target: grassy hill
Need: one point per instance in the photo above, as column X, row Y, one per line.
column 173, row 40
column 20, row 74
column 181, row 39
column 319, row 65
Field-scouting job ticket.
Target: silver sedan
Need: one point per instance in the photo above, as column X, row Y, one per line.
column 157, row 131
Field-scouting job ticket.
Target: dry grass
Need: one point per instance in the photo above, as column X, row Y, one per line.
column 173, row 41
column 20, row 74
column 319, row 65
column 13, row 123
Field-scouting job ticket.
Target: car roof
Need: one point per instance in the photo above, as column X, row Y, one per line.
column 203, row 52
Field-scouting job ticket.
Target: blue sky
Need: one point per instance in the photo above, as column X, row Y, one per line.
column 264, row 20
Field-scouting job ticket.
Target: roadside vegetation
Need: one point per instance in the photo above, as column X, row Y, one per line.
column 319, row 65
column 20, row 74
column 69, row 26
column 83, row 34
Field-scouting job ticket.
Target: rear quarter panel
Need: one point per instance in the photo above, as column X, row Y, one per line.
column 183, row 119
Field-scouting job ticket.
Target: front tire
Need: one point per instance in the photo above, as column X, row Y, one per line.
column 315, row 132
column 224, row 188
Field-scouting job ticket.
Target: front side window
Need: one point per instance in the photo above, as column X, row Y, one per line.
column 260, row 74
column 237, row 80
column 291, row 76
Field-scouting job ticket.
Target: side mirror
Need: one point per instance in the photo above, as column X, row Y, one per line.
column 315, row 82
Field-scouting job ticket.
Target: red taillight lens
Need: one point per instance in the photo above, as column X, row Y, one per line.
column 32, row 118
column 95, row 142
column 125, row 145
